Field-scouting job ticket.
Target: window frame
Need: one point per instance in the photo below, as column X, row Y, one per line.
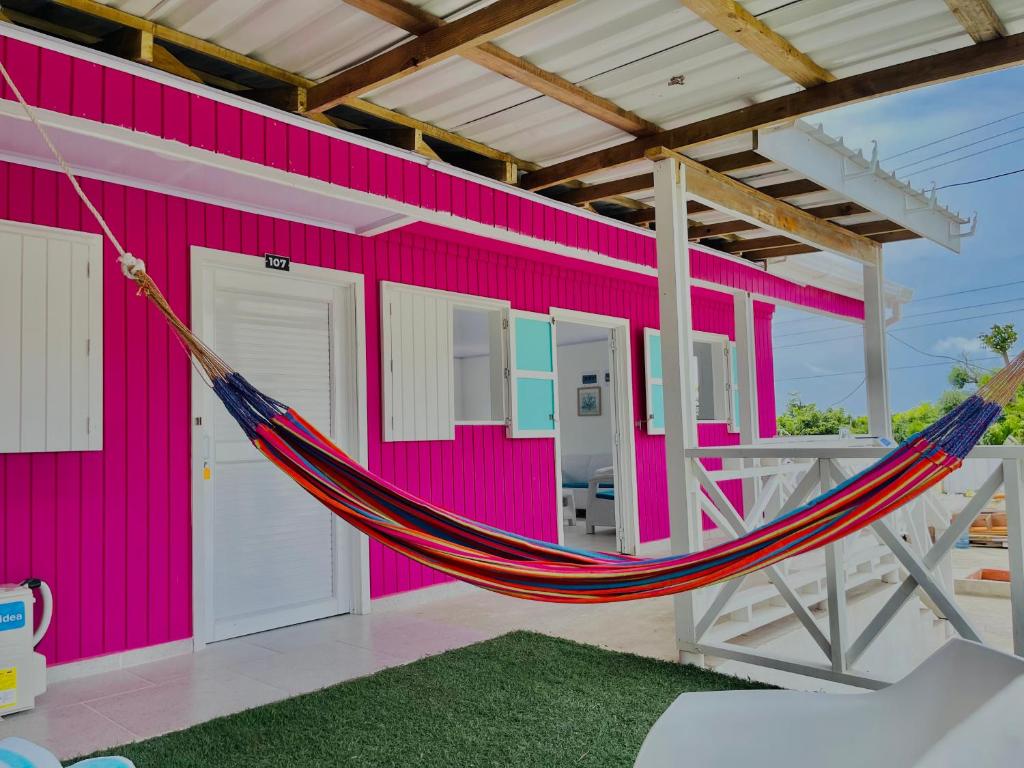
column 454, row 300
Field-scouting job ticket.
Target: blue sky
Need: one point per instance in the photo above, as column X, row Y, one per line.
column 816, row 357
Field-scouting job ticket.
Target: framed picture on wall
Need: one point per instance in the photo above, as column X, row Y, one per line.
column 588, row 401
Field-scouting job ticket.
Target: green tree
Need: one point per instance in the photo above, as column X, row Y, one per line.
column 802, row 418
column 1000, row 339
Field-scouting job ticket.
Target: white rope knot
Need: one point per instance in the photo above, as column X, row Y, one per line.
column 131, row 266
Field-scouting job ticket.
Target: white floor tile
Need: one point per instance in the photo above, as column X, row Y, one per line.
column 67, row 731
column 97, row 686
column 316, row 666
column 185, row 701
column 214, row 658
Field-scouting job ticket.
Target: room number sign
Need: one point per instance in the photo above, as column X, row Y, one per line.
column 273, row 261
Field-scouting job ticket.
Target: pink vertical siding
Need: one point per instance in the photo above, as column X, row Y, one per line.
column 110, row 530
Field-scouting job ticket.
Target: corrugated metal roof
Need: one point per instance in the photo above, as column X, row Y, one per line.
column 653, row 57
column 625, row 51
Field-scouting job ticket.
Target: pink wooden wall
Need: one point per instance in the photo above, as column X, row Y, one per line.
column 110, row 530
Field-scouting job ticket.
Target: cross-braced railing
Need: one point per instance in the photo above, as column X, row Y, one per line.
column 778, row 478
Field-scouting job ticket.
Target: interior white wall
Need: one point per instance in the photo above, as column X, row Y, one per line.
column 472, row 388
column 583, row 435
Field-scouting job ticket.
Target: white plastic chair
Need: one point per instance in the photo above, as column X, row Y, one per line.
column 919, row 721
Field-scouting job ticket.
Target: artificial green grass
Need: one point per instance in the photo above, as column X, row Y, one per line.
column 523, row 699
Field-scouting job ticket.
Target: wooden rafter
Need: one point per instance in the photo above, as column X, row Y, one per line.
column 983, row 57
column 436, row 45
column 979, row 18
column 188, row 42
column 725, row 193
column 417, row 21
column 737, row 22
column 723, row 164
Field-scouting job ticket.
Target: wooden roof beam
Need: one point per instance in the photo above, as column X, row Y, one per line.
column 436, row 45
column 979, row 18
column 417, row 21
column 983, row 57
column 723, row 164
column 724, row 193
column 732, row 19
column 296, row 81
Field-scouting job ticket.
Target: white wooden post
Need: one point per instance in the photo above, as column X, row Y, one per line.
column 876, row 363
column 1013, row 485
column 680, row 412
column 746, row 354
column 835, row 575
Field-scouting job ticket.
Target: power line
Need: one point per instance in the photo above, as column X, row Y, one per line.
column 919, row 314
column 968, row 290
column 953, row 136
column 957, row 149
column 851, row 393
column 978, row 181
column 861, row 373
column 965, row 157
column 917, row 300
column 903, row 328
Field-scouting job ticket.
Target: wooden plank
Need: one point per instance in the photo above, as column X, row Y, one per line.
column 416, row 21
column 979, row 18
column 722, row 192
column 472, row 30
column 33, row 344
column 723, row 164
column 58, row 352
column 950, row 65
column 732, row 19
column 214, row 51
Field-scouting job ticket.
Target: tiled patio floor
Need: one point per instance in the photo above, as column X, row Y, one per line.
column 78, row 716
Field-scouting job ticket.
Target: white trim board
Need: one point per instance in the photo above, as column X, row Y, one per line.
column 627, row 504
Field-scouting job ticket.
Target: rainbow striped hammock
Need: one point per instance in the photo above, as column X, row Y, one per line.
column 538, row 570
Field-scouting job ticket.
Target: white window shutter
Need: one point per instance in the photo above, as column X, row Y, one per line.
column 51, row 369
column 418, row 364
column 654, row 382
column 532, row 375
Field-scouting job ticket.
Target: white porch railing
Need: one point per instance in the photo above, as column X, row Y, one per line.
column 779, row 477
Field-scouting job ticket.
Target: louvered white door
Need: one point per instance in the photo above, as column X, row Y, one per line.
column 274, row 556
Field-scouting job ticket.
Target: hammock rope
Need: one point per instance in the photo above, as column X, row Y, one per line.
column 519, row 566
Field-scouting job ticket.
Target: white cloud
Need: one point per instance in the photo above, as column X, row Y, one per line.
column 958, row 345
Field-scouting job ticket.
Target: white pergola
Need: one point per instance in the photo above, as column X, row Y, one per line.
column 678, row 180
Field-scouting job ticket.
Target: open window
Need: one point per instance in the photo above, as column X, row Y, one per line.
column 443, row 362
column 716, row 380
column 478, row 348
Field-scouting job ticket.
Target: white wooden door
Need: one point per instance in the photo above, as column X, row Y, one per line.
column 273, row 555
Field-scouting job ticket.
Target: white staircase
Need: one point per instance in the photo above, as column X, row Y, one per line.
column 758, row 603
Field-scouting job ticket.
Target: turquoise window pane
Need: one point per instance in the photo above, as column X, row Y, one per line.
column 533, row 345
column 655, row 354
column 658, row 406
column 535, row 404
